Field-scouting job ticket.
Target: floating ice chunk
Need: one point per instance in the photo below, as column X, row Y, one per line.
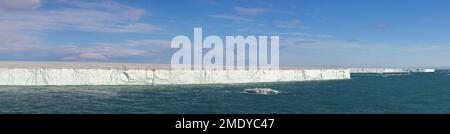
column 263, row 91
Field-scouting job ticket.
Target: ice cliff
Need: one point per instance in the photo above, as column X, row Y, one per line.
column 82, row 73
column 55, row 76
column 389, row 70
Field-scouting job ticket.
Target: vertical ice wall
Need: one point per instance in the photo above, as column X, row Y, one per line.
column 389, row 70
column 43, row 76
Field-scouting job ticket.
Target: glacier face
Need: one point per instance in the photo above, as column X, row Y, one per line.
column 389, row 70
column 50, row 76
column 378, row 70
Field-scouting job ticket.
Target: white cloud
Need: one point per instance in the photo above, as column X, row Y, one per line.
column 135, row 14
column 160, row 43
column 20, row 28
column 425, row 48
column 19, row 4
column 229, row 17
column 86, row 57
column 380, row 26
column 243, row 14
column 296, row 23
column 109, row 51
column 13, row 42
column 312, row 35
column 250, row 11
column 110, row 6
column 109, row 17
column 319, row 50
column 304, row 40
column 99, row 52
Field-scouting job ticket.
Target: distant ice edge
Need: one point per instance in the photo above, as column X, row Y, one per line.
column 42, row 76
column 390, row 70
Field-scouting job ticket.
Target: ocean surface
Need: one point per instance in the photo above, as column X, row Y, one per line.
column 364, row 93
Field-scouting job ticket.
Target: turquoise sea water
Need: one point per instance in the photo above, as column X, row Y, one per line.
column 364, row 93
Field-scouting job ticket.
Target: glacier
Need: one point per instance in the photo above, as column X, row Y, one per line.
column 83, row 73
column 390, row 70
column 117, row 76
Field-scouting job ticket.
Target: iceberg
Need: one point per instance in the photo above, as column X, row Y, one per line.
column 263, row 91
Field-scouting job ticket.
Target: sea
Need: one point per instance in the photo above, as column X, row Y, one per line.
column 362, row 94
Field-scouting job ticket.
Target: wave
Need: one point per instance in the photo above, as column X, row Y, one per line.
column 394, row 74
column 92, row 91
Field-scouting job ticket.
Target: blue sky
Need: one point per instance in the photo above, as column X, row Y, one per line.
column 329, row 33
